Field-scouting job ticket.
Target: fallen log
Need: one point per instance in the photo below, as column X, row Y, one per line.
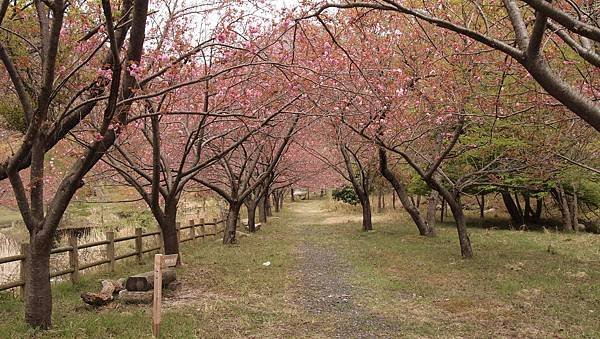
column 136, row 297
column 109, row 287
column 145, row 281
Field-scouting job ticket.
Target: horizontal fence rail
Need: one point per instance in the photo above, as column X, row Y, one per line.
column 195, row 231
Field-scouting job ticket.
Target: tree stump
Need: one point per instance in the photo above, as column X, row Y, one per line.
column 145, row 281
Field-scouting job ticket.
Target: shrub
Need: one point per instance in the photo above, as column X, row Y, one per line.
column 346, row 195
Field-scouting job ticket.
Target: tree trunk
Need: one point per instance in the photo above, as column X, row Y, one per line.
column 262, row 213
column 453, row 199
column 379, row 202
column 573, row 209
column 281, row 200
column 292, row 194
column 367, row 224
column 38, row 293
column 461, row 227
column 251, row 208
column 443, row 210
column 169, row 233
column 482, row 207
column 414, row 213
column 511, row 208
column 539, row 204
column 519, row 208
column 563, row 205
column 276, row 202
column 267, row 202
column 231, row 226
column 394, row 200
column 528, row 213
column 418, row 201
column 431, row 204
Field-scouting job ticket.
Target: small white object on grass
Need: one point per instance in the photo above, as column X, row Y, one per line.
column 267, row 263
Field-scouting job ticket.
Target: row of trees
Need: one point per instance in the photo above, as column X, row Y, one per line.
column 172, row 96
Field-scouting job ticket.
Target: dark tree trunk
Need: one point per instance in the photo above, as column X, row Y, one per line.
column 461, row 226
column 519, row 208
column 539, row 204
column 443, row 210
column 169, row 233
column 38, row 293
column 533, row 216
column 482, row 207
column 431, row 204
column 281, row 200
column 231, row 226
column 511, row 208
column 573, row 207
column 292, row 194
column 394, row 200
column 251, row 208
column 414, row 213
column 267, row 202
column 453, row 199
column 563, row 205
column 367, row 224
column 262, row 213
column 276, row 202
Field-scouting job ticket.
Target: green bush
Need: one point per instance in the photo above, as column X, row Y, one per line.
column 12, row 116
column 346, row 195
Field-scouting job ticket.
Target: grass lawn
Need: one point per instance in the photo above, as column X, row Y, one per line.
column 519, row 284
column 7, row 216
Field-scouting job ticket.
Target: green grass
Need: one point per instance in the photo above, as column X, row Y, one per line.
column 225, row 289
column 513, row 287
column 7, row 216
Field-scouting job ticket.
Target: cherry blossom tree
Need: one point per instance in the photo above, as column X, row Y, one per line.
column 49, row 117
column 238, row 174
column 568, row 25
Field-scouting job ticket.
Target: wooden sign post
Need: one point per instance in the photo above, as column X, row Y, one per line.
column 160, row 261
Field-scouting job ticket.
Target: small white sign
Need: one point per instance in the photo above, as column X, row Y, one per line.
column 170, row 260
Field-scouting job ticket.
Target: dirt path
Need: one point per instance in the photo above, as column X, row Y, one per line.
column 326, row 290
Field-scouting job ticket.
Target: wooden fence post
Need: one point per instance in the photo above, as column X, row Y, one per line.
column 215, row 226
column 23, row 268
column 202, row 228
column 192, row 229
column 139, row 244
column 74, row 258
column 110, row 250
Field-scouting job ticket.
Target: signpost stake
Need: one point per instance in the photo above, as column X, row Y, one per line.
column 160, row 261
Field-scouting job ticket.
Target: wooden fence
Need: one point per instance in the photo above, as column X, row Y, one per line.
column 110, row 258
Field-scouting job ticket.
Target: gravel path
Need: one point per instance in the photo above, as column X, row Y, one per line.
column 326, row 292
